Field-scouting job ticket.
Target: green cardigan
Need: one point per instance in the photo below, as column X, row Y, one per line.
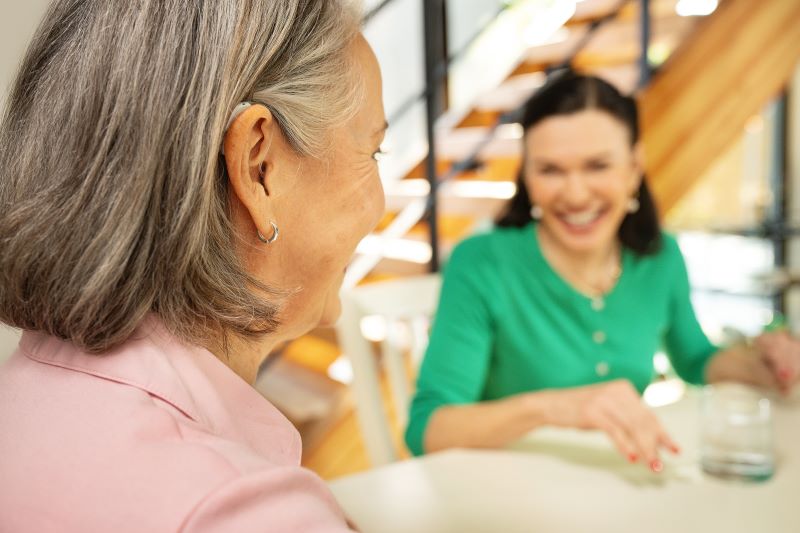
column 507, row 323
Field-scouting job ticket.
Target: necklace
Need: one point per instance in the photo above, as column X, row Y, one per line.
column 597, row 286
column 601, row 285
column 600, row 289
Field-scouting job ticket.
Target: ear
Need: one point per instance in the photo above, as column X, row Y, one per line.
column 638, row 166
column 247, row 153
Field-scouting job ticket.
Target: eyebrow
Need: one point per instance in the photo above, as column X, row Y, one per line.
column 601, row 155
column 545, row 161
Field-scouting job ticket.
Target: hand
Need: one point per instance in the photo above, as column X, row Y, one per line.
column 781, row 353
column 615, row 408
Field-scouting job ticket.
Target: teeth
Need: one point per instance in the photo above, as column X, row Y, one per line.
column 581, row 219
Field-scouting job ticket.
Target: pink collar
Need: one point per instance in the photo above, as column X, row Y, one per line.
column 189, row 378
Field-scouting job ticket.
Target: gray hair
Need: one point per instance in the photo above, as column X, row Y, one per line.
column 113, row 195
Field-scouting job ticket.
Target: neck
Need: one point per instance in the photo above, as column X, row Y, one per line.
column 242, row 356
column 584, row 269
column 588, row 260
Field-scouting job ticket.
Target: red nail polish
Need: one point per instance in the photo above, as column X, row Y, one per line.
column 675, row 450
column 784, row 374
column 632, row 457
column 656, row 466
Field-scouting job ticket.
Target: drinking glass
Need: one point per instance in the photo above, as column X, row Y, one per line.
column 736, row 433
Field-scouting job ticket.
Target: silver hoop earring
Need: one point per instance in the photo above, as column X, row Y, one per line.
column 271, row 239
column 633, row 205
column 536, row 212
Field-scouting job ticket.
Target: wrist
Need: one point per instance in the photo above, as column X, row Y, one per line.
column 734, row 364
column 539, row 408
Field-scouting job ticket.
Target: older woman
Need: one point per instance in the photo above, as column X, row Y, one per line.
column 152, row 274
column 552, row 319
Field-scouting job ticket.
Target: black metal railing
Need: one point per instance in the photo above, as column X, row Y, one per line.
column 375, row 10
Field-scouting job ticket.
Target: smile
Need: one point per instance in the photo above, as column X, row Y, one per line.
column 582, row 221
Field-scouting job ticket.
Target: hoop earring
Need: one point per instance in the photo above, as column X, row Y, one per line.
column 536, row 212
column 271, row 239
column 633, row 205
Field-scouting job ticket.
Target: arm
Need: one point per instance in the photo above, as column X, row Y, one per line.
column 698, row 361
column 773, row 361
column 780, row 351
column 688, row 348
column 486, row 424
column 612, row 407
column 456, row 363
column 447, row 410
column 742, row 364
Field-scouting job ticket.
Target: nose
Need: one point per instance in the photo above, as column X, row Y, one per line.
column 576, row 192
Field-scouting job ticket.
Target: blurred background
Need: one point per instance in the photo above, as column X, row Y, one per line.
column 718, row 84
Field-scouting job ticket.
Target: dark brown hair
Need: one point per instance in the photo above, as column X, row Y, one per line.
column 566, row 93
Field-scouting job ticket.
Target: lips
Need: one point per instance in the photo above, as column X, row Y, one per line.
column 582, row 221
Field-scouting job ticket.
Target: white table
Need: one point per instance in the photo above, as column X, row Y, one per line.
column 570, row 481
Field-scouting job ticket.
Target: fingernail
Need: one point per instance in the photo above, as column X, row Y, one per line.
column 675, row 449
column 784, row 374
column 632, row 457
column 656, row 466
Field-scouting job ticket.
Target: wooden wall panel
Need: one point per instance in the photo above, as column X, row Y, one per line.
column 724, row 73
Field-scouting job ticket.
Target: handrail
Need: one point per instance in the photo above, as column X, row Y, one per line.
column 375, row 10
column 440, row 70
column 512, row 116
column 593, row 27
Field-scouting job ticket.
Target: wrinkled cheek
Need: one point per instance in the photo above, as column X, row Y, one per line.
column 379, row 205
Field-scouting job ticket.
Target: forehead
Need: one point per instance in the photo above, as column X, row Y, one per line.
column 370, row 112
column 584, row 133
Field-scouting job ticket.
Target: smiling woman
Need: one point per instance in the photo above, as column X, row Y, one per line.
column 153, row 275
column 587, row 141
column 553, row 318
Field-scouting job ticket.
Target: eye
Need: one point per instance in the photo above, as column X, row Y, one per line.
column 597, row 165
column 548, row 170
column 379, row 154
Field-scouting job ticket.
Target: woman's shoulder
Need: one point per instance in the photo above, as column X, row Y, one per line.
column 121, row 429
column 665, row 263
column 670, row 250
column 667, row 249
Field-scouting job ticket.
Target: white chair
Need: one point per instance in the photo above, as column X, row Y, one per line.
column 401, row 310
column 9, row 338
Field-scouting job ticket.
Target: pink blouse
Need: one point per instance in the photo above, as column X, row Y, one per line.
column 155, row 436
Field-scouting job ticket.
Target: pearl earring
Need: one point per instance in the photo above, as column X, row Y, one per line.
column 633, row 205
column 536, row 212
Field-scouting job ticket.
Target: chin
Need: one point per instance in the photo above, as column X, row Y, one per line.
column 597, row 242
